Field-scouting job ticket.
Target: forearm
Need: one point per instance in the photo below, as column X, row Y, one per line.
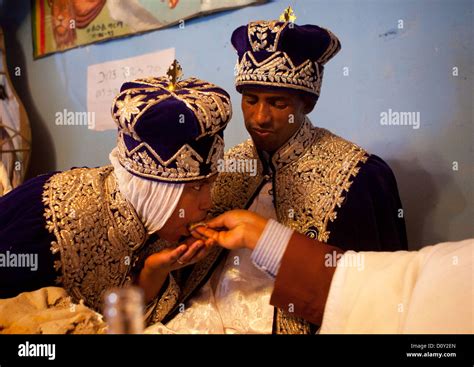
column 304, row 277
column 299, row 264
column 151, row 281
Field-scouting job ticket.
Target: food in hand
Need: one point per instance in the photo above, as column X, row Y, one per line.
column 194, row 226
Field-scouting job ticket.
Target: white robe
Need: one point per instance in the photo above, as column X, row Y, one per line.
column 425, row 291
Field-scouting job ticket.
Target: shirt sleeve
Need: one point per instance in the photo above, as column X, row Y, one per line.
column 270, row 247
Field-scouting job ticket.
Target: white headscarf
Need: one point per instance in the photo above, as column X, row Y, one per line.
column 153, row 201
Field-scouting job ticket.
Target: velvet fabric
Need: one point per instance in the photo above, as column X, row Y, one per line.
column 268, row 42
column 154, row 120
column 23, row 231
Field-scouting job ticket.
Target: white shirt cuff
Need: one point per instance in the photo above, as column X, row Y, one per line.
column 270, row 247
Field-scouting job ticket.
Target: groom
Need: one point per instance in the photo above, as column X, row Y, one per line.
column 309, row 181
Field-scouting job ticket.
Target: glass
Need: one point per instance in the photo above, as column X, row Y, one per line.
column 123, row 310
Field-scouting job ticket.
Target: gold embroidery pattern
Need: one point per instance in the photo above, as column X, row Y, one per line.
column 163, row 306
column 313, row 171
column 127, row 108
column 296, row 146
column 186, row 159
column 333, row 49
column 211, row 108
column 313, row 187
column 129, row 112
column 287, row 324
column 264, row 35
column 215, row 153
column 279, row 70
column 97, row 232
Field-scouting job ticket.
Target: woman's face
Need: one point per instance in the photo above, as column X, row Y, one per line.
column 193, row 206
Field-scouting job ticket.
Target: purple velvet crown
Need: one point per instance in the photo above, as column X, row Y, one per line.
column 274, row 54
column 171, row 134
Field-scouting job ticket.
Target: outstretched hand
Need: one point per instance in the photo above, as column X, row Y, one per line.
column 158, row 265
column 169, row 259
column 232, row 230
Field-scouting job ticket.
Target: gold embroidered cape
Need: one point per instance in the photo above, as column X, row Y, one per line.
column 98, row 233
column 101, row 242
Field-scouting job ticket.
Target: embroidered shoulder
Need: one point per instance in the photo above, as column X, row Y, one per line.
column 312, row 188
column 242, row 150
column 97, row 231
column 309, row 191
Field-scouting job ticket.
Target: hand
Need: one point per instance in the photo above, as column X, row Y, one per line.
column 233, row 229
column 158, row 265
column 169, row 259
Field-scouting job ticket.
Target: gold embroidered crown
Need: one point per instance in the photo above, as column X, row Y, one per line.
column 281, row 54
column 171, row 129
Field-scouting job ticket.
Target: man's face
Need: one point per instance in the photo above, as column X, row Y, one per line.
column 193, row 205
column 272, row 117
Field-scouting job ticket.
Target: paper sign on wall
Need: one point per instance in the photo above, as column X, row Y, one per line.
column 104, row 82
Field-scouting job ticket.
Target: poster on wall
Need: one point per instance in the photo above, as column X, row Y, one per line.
column 105, row 79
column 60, row 25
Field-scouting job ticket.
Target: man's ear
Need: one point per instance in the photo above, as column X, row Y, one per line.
column 308, row 103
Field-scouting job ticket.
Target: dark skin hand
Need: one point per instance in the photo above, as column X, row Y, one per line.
column 157, row 266
column 232, row 230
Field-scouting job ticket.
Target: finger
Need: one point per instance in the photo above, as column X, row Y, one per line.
column 191, row 241
column 192, row 250
column 217, row 237
column 230, row 219
column 219, row 221
column 177, row 253
column 164, row 257
column 196, row 234
column 200, row 254
column 207, row 233
column 210, row 242
column 188, row 256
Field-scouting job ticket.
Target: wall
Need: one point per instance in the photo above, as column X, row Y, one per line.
column 407, row 70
